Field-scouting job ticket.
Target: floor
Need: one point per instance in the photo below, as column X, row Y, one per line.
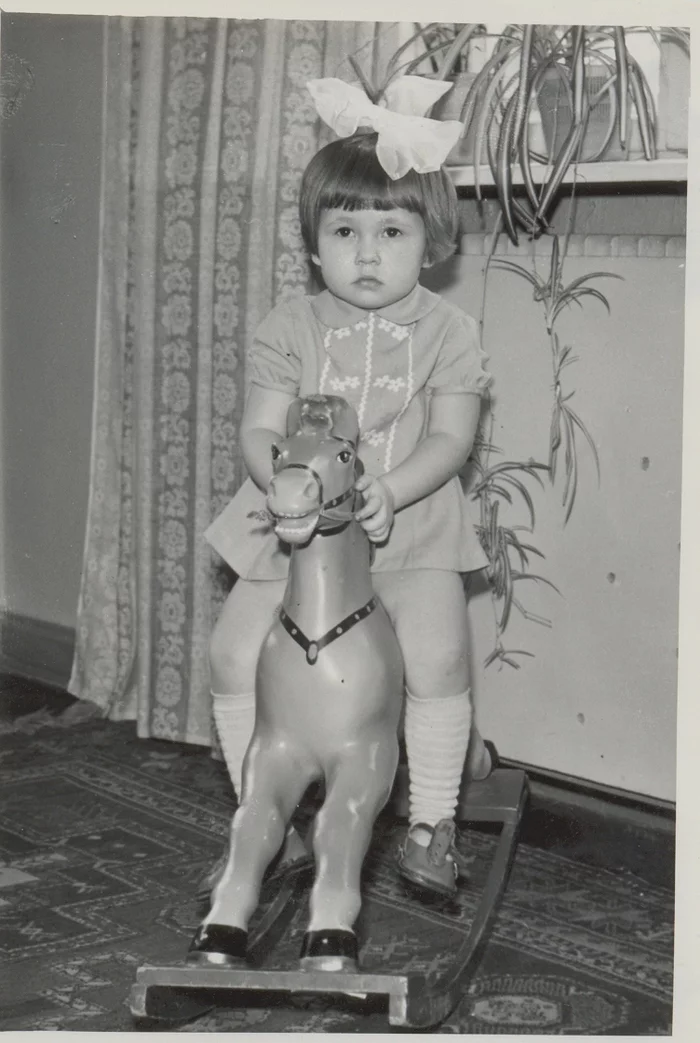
column 591, row 890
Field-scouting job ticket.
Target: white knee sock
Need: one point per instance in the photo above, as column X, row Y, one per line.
column 437, row 737
column 235, row 718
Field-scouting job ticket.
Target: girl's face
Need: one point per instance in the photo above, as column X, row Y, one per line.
column 370, row 258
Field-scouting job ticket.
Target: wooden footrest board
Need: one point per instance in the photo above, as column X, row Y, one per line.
column 394, row 986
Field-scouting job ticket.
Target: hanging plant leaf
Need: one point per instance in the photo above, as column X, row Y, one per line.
column 524, row 80
column 507, row 583
column 644, row 113
column 571, row 464
column 503, row 174
column 591, row 275
column 458, row 45
column 371, row 91
column 518, row 269
column 554, row 277
column 531, row 617
column 579, row 73
column 499, row 490
column 517, row 576
column 573, row 298
column 563, row 162
column 622, row 82
column 587, row 435
column 554, row 440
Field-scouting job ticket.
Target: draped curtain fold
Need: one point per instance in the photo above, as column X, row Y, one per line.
column 207, row 129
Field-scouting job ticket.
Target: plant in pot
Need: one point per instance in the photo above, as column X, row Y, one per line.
column 591, row 93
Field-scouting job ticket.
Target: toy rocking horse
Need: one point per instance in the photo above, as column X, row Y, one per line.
column 329, row 692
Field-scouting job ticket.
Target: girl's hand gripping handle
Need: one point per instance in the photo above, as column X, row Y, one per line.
column 377, row 514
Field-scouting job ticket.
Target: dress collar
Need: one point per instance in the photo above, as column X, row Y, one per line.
column 337, row 314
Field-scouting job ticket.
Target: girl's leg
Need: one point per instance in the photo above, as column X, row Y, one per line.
column 234, row 649
column 428, row 609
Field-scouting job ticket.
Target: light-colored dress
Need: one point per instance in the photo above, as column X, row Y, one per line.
column 386, row 363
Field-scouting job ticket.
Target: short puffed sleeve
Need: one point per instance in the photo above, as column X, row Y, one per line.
column 459, row 365
column 273, row 359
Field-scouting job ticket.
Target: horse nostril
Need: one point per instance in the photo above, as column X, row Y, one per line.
column 310, row 490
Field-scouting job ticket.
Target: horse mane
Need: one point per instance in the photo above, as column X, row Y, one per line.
column 323, row 414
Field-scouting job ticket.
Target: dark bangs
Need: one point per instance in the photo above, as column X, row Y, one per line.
column 357, row 180
column 347, row 175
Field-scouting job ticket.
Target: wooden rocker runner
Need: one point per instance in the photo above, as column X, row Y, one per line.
column 328, row 696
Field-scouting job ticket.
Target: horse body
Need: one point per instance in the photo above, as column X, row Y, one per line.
column 352, row 684
column 329, row 684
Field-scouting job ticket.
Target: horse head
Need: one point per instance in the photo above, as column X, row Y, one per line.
column 315, row 468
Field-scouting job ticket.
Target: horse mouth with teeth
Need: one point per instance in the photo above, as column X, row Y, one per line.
column 295, row 528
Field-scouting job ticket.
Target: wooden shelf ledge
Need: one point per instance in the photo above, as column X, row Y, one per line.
column 630, row 171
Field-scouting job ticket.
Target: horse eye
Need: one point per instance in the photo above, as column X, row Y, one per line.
column 345, row 456
column 275, row 451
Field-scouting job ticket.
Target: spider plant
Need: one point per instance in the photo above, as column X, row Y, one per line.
column 507, row 552
column 500, row 486
column 566, row 424
column 500, row 100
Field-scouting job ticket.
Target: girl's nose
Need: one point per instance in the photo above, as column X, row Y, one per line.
column 367, row 251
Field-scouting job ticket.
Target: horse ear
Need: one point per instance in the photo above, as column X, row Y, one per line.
column 345, row 422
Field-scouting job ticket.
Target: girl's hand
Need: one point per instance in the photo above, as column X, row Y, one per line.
column 377, row 515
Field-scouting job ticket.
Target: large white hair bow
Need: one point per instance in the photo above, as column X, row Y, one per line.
column 407, row 139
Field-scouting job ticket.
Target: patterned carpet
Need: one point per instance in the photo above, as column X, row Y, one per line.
column 103, row 838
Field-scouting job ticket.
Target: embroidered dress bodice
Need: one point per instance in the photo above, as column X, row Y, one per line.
column 387, row 363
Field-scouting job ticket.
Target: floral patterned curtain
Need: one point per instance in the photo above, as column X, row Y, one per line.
column 207, row 130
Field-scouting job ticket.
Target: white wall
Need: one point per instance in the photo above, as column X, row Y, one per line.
column 598, row 700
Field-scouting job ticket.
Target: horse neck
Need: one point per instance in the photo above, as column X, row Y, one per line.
column 329, row 578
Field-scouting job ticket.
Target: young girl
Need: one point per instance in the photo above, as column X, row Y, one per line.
column 410, row 364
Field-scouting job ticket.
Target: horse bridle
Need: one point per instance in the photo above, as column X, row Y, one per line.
column 312, row 648
column 337, row 500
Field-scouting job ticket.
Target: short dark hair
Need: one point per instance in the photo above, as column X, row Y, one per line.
column 346, row 174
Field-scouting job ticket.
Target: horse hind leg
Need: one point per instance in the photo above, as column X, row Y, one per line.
column 275, row 779
column 358, row 786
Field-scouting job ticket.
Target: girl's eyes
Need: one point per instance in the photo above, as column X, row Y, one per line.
column 391, row 232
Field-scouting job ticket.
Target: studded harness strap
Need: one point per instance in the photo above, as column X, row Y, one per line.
column 312, row 648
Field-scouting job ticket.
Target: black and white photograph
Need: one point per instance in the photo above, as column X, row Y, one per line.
column 346, row 634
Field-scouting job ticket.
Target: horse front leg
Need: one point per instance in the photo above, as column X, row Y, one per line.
column 358, row 784
column 275, row 778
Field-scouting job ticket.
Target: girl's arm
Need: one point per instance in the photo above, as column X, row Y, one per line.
column 452, row 424
column 264, row 422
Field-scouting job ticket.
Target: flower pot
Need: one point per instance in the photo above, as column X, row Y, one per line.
column 555, row 110
column 449, row 107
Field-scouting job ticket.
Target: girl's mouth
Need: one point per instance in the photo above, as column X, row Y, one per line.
column 368, row 281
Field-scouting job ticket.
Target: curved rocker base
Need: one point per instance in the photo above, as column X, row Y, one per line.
column 163, row 992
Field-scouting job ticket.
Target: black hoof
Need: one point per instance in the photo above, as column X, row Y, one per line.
column 332, row 950
column 218, row 945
